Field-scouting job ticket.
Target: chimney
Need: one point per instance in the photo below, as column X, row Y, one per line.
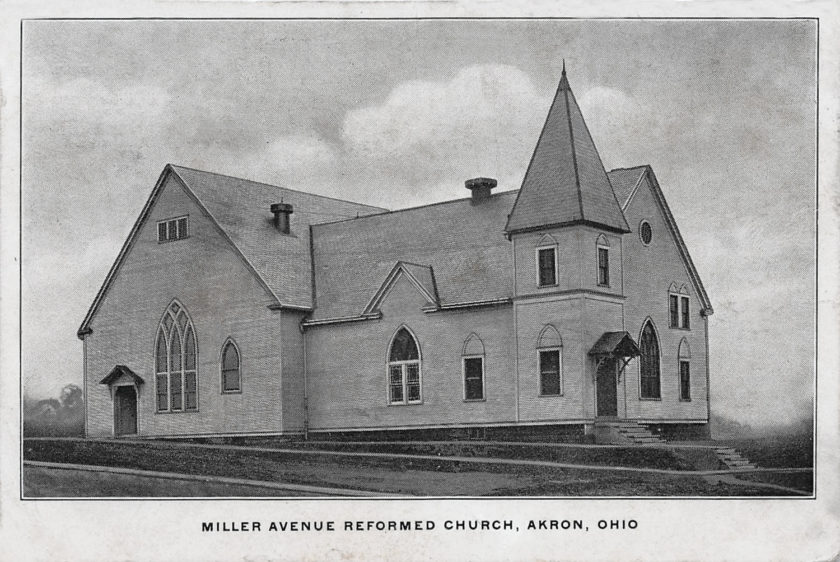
column 480, row 188
column 282, row 214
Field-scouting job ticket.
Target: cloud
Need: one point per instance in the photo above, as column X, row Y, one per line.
column 483, row 121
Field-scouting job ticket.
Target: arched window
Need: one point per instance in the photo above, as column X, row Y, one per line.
column 550, row 351
column 404, row 369
column 472, row 362
column 649, row 362
column 176, row 375
column 685, row 371
column 231, row 380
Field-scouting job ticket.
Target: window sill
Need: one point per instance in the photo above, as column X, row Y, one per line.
column 650, row 399
column 475, row 400
column 405, row 403
column 601, row 285
column 680, row 328
column 176, row 411
column 232, row 391
column 173, row 240
column 550, row 395
column 552, row 286
column 685, row 399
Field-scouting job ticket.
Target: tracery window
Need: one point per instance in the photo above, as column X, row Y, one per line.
column 176, row 375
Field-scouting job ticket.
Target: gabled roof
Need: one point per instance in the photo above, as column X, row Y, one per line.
column 624, row 178
column 119, row 371
column 625, row 181
column 615, row 344
column 460, row 243
column 241, row 209
column 421, row 276
column 565, row 182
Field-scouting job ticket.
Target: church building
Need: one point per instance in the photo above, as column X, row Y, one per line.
column 569, row 307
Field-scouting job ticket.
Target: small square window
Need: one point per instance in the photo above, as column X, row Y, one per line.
column 173, row 229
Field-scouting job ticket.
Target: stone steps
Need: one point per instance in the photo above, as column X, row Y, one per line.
column 627, row 432
column 732, row 459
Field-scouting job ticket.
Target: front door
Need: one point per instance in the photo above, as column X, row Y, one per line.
column 125, row 411
column 606, row 389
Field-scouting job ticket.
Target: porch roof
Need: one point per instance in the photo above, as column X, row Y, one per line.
column 120, row 370
column 616, row 344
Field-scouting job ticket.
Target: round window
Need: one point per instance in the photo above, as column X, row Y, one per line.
column 646, row 232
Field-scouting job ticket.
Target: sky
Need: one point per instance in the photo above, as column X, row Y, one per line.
column 400, row 113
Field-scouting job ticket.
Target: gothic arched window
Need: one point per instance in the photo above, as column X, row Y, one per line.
column 176, row 375
column 649, row 362
column 231, row 378
column 404, row 369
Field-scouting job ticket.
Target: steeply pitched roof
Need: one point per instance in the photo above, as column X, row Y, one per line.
column 565, row 182
column 242, row 211
column 421, row 276
column 242, row 208
column 625, row 181
column 462, row 242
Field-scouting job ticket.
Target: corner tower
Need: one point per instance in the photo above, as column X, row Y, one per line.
column 566, row 183
column 566, row 227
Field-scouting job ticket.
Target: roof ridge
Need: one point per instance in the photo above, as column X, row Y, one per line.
column 435, row 204
column 175, row 166
column 640, row 166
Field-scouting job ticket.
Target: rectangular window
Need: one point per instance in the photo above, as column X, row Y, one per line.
column 603, row 266
column 175, row 387
column 685, row 313
column 413, row 381
column 396, row 383
column 675, row 312
column 173, row 229
column 162, row 393
column 546, row 267
column 650, row 384
column 685, row 380
column 190, row 392
column 474, row 378
column 550, row 373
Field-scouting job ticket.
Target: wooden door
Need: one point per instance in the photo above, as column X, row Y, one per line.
column 125, row 411
column 606, row 389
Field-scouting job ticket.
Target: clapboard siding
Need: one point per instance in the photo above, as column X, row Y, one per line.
column 223, row 298
column 649, row 271
column 347, row 366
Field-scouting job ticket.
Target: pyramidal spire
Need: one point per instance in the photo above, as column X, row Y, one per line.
column 566, row 182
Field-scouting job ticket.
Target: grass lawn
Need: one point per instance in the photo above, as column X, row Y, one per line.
column 423, row 477
column 42, row 482
column 786, row 451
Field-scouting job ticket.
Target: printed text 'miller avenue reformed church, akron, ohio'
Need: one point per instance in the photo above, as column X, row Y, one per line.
column 568, row 307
